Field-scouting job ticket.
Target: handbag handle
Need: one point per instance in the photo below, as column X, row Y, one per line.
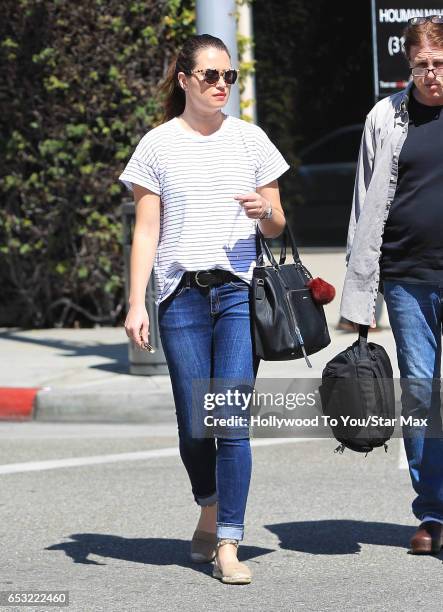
column 262, row 247
column 287, row 240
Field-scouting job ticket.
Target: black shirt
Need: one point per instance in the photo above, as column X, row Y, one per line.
column 412, row 249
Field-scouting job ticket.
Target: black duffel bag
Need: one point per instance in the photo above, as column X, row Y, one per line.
column 358, row 384
column 286, row 321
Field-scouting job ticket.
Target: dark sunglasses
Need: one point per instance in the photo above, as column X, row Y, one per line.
column 212, row 76
column 421, row 20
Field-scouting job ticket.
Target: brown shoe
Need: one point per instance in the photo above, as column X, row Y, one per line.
column 203, row 546
column 428, row 539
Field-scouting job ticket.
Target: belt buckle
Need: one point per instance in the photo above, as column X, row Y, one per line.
column 196, row 278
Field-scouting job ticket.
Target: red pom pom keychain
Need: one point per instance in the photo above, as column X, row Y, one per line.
column 322, row 292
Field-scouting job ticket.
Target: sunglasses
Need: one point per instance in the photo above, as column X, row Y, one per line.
column 212, row 76
column 421, row 20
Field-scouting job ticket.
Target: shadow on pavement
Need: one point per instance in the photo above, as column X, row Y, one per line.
column 341, row 537
column 81, row 348
column 151, row 551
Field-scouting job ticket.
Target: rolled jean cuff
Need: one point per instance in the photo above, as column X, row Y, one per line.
column 230, row 530
column 207, row 501
column 428, row 517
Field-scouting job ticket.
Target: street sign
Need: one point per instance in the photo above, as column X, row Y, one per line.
column 389, row 18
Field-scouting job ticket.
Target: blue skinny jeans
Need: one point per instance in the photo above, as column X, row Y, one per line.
column 206, row 334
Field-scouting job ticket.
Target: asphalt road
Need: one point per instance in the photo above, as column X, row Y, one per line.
column 104, row 513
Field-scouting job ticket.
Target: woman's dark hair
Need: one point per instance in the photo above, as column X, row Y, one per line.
column 416, row 35
column 174, row 96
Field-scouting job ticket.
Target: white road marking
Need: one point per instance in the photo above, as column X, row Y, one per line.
column 41, row 430
column 52, row 464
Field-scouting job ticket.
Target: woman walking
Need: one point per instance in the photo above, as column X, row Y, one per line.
column 202, row 181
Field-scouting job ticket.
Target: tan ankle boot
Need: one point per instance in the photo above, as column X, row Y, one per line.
column 232, row 572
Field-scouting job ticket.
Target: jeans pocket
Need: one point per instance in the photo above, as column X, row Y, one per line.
column 180, row 290
column 240, row 284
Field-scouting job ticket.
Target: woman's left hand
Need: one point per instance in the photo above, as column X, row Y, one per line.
column 254, row 205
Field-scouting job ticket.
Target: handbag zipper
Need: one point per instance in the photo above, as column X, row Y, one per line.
column 297, row 330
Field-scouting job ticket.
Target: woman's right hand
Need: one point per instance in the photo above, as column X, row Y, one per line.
column 137, row 325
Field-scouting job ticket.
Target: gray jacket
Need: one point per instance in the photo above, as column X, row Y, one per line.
column 385, row 132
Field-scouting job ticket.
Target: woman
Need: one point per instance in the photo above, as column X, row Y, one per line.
column 395, row 239
column 202, row 181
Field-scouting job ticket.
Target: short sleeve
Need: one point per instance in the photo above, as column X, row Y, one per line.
column 270, row 162
column 142, row 168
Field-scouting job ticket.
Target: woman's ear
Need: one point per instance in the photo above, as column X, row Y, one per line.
column 182, row 80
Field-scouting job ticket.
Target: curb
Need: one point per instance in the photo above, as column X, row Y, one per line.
column 17, row 403
column 106, row 406
column 83, row 406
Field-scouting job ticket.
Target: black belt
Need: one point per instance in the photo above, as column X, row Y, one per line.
column 208, row 278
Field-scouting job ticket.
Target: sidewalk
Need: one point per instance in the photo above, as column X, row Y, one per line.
column 78, row 375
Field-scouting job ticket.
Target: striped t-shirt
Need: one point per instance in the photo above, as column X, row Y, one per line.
column 202, row 227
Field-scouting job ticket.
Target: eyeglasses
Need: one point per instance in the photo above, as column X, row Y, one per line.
column 423, row 72
column 212, row 76
column 421, row 20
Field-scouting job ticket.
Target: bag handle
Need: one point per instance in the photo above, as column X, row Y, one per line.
column 263, row 248
column 287, row 239
column 363, row 334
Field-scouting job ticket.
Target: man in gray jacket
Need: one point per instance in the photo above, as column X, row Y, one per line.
column 395, row 245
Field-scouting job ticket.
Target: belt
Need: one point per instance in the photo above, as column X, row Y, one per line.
column 208, row 278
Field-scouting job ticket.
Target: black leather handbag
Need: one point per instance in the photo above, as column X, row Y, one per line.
column 286, row 321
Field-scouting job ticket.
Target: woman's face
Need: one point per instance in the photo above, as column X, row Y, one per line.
column 430, row 87
column 202, row 96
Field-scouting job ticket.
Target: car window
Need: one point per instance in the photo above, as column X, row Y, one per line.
column 341, row 147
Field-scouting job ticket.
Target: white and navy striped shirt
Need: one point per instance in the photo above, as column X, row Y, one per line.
column 201, row 225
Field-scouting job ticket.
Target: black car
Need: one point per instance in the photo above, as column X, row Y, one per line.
column 326, row 182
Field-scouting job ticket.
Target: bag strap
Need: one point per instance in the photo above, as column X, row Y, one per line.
column 287, row 239
column 363, row 334
column 263, row 249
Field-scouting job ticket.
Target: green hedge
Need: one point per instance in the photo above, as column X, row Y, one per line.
column 76, row 94
column 77, row 91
